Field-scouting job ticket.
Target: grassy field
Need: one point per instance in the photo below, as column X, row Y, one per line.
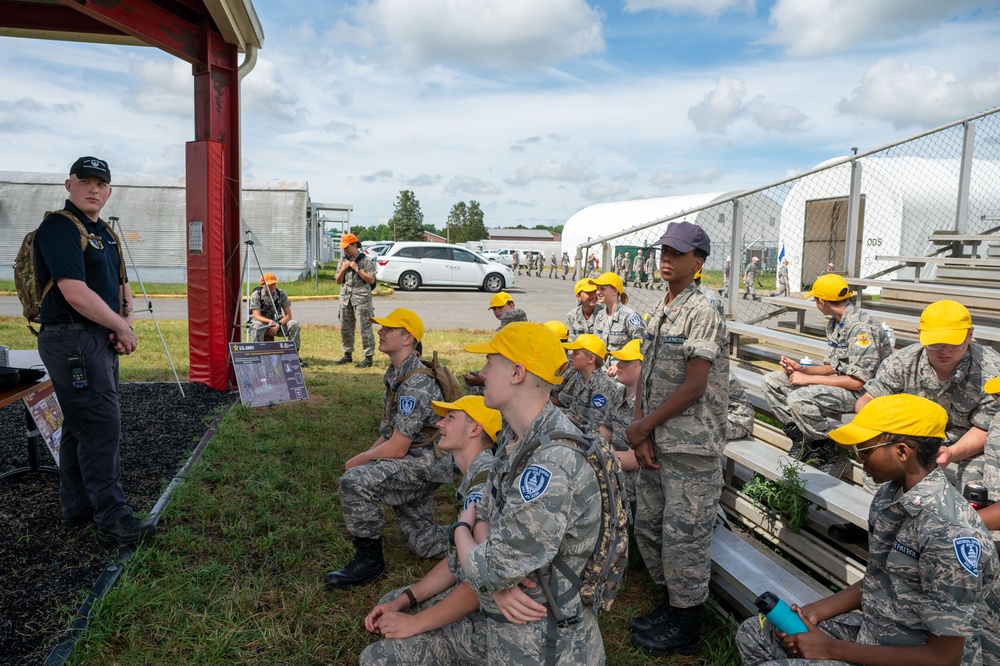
column 236, row 574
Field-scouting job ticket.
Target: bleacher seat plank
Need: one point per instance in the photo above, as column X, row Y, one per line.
column 843, row 499
column 791, row 341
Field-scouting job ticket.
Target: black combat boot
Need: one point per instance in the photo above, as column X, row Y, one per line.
column 345, row 360
column 367, row 565
column 679, row 634
column 367, row 363
column 655, row 617
column 793, row 433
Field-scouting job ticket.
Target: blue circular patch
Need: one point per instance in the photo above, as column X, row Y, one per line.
column 634, row 321
column 598, row 401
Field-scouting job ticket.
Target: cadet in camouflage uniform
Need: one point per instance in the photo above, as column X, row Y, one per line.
column 403, row 468
column 678, row 435
column 565, row 264
column 468, row 432
column 617, row 323
column 651, row 269
column 553, row 265
column 750, row 277
column 810, row 399
column 553, row 492
column 502, row 305
column 265, row 322
column 782, row 279
column 965, row 367
column 621, row 412
column 515, row 262
column 586, row 402
column 930, row 560
column 356, row 276
column 638, row 266
column 583, row 317
column 740, row 416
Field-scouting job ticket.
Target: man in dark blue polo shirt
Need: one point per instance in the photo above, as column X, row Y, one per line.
column 86, row 318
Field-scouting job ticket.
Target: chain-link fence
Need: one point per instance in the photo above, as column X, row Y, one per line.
column 859, row 216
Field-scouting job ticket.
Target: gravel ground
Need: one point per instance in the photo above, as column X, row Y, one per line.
column 45, row 568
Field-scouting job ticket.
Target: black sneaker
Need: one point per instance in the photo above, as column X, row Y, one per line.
column 127, row 530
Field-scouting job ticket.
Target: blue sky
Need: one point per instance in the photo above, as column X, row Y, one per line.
column 535, row 109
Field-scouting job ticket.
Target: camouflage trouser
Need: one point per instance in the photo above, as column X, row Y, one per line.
column 291, row 331
column 406, row 484
column 815, row 410
column 751, row 289
column 991, row 629
column 758, row 645
column 352, row 315
column 463, row 642
column 675, row 513
column 524, row 644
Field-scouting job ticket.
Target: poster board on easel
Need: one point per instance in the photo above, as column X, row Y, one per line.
column 267, row 373
column 48, row 417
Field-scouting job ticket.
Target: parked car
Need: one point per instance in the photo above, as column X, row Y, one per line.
column 377, row 249
column 411, row 265
column 491, row 256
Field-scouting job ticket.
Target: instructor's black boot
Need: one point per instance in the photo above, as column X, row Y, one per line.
column 680, row 634
column 655, row 617
column 793, row 433
column 345, row 360
column 367, row 565
column 367, row 363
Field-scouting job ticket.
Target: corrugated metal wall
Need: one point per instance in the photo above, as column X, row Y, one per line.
column 151, row 216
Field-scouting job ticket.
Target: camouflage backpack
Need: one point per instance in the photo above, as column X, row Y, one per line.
column 602, row 575
column 29, row 291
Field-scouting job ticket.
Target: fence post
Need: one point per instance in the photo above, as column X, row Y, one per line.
column 853, row 218
column 736, row 252
column 964, row 175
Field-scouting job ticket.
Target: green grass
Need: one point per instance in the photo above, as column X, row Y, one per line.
column 236, row 573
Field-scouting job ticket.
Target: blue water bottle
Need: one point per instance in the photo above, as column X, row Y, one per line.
column 780, row 614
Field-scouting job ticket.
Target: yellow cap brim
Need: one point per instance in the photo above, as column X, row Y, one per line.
column 851, row 434
column 992, row 386
column 945, row 336
column 623, row 355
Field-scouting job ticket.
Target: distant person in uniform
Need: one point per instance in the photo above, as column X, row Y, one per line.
column 356, row 277
column 565, row 264
column 725, row 276
column 553, row 265
column 271, row 313
column 752, row 279
column 829, row 267
column 783, row 279
column 515, row 262
column 651, row 269
column 638, row 266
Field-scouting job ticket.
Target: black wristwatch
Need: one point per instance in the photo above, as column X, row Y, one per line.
column 458, row 524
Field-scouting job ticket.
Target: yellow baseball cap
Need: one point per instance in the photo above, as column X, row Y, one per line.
column 611, row 279
column 476, row 408
column 992, row 386
column 347, row 239
column 500, row 299
column 529, row 344
column 830, row 287
column 946, row 322
column 584, row 285
column 402, row 318
column 630, row 352
column 558, row 328
column 898, row 414
column 590, row 342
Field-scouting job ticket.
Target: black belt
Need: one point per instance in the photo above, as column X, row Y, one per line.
column 72, row 326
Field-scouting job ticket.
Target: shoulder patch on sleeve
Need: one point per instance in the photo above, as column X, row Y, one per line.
column 634, row 320
column 534, row 480
column 472, row 498
column 598, row 401
column 863, row 340
column 968, row 551
column 407, row 404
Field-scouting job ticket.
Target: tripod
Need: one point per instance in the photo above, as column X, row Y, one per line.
column 149, row 305
column 278, row 313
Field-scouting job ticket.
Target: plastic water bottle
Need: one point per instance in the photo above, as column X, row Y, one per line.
column 780, row 614
column 806, row 361
column 891, row 334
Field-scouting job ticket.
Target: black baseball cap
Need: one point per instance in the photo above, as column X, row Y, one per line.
column 685, row 236
column 91, row 167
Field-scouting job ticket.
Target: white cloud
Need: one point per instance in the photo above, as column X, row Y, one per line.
column 668, row 179
column 264, row 90
column 816, row 27
column 603, row 191
column 28, row 114
column 706, row 7
column 908, row 95
column 570, row 171
column 344, row 131
column 423, row 180
column 720, row 107
column 491, row 33
column 470, row 185
column 162, row 86
column 724, row 105
column 378, row 177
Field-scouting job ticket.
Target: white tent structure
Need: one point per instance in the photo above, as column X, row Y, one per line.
column 905, row 199
column 761, row 214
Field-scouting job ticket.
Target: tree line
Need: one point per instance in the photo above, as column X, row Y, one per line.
column 465, row 223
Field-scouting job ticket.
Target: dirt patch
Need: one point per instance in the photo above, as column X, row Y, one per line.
column 46, row 569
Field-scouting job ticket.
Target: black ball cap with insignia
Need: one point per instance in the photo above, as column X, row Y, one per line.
column 91, row 167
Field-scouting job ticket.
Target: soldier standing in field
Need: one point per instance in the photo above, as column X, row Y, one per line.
column 752, row 279
column 356, row 277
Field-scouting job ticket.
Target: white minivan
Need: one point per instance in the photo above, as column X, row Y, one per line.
column 411, row 265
